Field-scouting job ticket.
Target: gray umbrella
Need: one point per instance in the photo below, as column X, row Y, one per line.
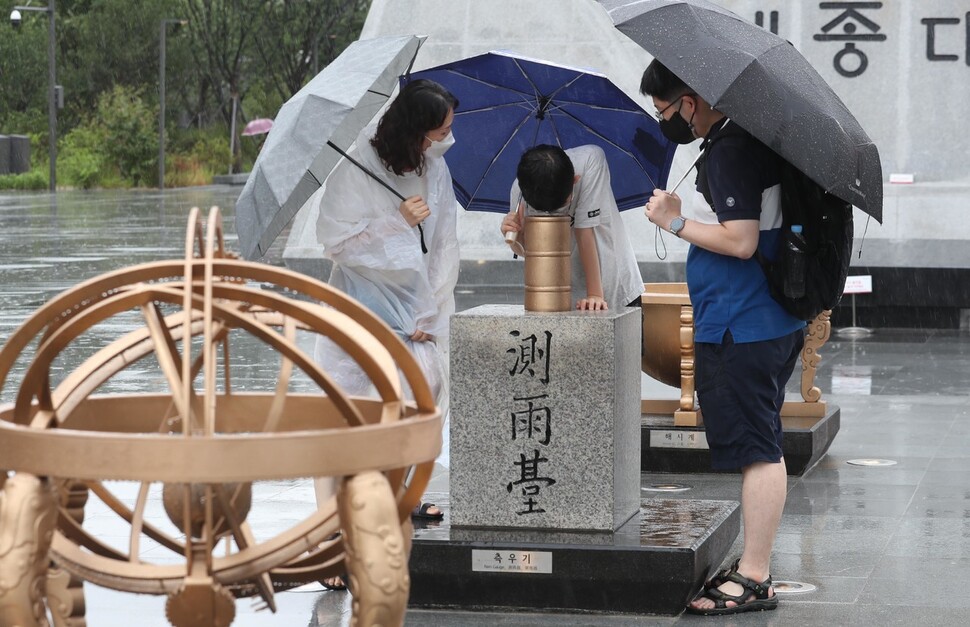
column 310, row 131
column 764, row 85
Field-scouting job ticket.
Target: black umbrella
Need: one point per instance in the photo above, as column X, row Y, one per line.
column 764, row 85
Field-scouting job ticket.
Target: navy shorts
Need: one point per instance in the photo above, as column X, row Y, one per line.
column 740, row 389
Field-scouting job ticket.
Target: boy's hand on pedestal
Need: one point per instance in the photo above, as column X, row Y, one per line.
column 592, row 303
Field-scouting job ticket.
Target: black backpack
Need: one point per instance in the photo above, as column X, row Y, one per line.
column 826, row 229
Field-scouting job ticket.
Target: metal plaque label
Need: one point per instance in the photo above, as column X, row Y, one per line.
column 505, row 561
column 673, row 438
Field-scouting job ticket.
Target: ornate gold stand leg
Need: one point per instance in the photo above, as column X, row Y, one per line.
column 65, row 592
column 377, row 558
column 28, row 512
column 687, row 415
column 65, row 597
column 817, row 334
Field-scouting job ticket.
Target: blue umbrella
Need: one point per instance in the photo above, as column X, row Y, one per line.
column 509, row 104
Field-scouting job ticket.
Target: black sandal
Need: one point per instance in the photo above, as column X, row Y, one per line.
column 753, row 598
column 341, row 578
column 337, row 586
column 421, row 512
column 718, row 579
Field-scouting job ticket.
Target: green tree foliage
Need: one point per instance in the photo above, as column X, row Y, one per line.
column 129, row 125
column 222, row 34
column 297, row 37
column 81, row 161
column 104, row 43
column 116, row 144
column 197, row 155
column 256, row 53
column 23, row 76
column 33, row 180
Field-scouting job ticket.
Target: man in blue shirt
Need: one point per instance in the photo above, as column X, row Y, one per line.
column 746, row 344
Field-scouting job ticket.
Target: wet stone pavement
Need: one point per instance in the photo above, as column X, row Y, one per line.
column 882, row 545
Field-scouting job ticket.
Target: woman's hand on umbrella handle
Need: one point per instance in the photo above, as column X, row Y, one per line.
column 414, row 210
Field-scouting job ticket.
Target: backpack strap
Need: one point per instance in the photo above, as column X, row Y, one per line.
column 703, row 186
column 727, row 129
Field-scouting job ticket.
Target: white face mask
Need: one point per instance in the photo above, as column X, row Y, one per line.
column 439, row 148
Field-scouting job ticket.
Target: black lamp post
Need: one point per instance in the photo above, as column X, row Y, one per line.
column 163, row 29
column 15, row 19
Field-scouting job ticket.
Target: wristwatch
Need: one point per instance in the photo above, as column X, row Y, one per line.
column 677, row 224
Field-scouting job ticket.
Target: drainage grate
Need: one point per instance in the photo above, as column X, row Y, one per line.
column 793, row 587
column 666, row 487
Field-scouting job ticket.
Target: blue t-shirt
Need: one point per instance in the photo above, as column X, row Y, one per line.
column 728, row 293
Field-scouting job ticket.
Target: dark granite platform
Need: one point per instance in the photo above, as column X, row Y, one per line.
column 666, row 448
column 654, row 564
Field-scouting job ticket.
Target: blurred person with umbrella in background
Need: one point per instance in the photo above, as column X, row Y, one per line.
column 257, row 127
column 757, row 104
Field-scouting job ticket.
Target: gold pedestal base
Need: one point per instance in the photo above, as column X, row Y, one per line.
column 668, row 355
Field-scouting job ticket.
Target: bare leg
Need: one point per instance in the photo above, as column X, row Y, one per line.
column 763, row 492
column 323, row 489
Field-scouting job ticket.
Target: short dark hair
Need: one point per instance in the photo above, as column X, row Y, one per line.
column 421, row 106
column 545, row 176
column 661, row 83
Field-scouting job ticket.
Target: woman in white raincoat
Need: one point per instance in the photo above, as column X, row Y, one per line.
column 375, row 240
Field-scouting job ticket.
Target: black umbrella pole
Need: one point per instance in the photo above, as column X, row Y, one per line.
column 424, row 248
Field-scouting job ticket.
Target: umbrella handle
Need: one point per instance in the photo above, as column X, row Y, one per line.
column 512, row 237
column 692, row 165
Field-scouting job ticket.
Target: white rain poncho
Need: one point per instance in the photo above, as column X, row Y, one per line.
column 378, row 261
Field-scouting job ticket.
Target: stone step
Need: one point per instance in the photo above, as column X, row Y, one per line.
column 654, row 564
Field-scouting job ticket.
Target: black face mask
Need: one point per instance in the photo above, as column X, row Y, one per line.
column 677, row 129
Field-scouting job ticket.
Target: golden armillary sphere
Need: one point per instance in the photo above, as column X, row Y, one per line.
column 205, row 443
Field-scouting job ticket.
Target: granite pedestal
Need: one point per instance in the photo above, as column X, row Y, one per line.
column 545, row 418
column 544, row 510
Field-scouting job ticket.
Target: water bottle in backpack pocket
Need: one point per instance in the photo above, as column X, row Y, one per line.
column 795, row 251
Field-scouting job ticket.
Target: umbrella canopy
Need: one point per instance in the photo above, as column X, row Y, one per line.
column 299, row 152
column 258, row 126
column 511, row 103
column 763, row 84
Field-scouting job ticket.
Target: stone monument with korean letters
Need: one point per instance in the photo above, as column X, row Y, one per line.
column 552, row 440
column 545, row 488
